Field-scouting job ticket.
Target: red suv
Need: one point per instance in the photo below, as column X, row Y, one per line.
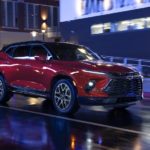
column 70, row 75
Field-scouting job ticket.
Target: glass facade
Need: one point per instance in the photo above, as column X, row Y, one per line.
column 32, row 16
column 50, row 16
column 10, row 14
column 133, row 24
column 93, row 6
column 53, row 16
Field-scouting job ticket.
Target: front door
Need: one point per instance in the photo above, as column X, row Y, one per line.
column 37, row 72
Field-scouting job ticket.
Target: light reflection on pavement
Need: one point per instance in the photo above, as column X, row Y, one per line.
column 34, row 125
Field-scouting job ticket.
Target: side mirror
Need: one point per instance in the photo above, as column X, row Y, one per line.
column 3, row 55
column 40, row 58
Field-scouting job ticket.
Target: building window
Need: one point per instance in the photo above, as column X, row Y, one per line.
column 138, row 23
column 123, row 25
column 97, row 29
column 10, row 14
column 134, row 24
column 107, row 27
column 94, row 6
column 32, row 16
column 147, row 22
column 55, row 16
column 50, row 16
column 114, row 27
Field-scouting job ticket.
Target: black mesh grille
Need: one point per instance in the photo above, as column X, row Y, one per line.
column 126, row 100
column 124, row 87
column 125, row 74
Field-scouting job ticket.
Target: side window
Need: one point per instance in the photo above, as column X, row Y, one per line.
column 21, row 52
column 38, row 50
column 10, row 51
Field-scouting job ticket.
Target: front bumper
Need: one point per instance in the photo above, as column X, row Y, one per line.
column 109, row 101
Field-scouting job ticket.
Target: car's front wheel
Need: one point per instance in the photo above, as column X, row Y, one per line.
column 64, row 97
column 5, row 94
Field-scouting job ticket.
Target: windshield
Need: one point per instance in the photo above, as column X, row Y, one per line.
column 69, row 52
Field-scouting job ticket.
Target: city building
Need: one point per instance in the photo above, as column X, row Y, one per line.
column 23, row 20
column 110, row 27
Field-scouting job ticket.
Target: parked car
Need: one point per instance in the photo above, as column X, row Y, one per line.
column 70, row 75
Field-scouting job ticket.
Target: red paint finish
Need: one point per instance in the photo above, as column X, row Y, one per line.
column 39, row 74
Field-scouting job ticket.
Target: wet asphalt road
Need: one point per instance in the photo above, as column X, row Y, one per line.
column 30, row 123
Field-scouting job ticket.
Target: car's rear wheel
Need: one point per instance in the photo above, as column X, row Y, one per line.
column 5, row 94
column 64, row 97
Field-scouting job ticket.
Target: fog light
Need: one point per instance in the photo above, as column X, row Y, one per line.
column 90, row 85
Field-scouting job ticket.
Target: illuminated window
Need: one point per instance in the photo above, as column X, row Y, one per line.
column 123, row 25
column 107, row 27
column 107, row 4
column 138, row 23
column 134, row 24
column 97, row 29
column 114, row 27
column 138, row 1
column 147, row 22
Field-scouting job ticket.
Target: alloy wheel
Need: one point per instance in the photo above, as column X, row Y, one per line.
column 62, row 96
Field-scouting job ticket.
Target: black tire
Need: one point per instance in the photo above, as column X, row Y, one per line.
column 5, row 94
column 64, row 101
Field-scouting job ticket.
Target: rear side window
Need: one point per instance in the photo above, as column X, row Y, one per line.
column 21, row 52
column 38, row 50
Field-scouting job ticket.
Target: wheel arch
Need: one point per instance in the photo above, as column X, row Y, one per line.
column 1, row 74
column 59, row 77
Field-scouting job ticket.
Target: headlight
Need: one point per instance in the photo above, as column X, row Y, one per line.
column 94, row 72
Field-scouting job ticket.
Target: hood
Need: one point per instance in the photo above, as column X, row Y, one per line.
column 105, row 67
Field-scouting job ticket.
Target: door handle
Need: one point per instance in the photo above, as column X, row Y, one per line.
column 27, row 65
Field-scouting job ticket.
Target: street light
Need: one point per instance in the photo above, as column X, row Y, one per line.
column 34, row 34
column 43, row 34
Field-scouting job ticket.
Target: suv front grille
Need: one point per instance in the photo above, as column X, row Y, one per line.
column 124, row 87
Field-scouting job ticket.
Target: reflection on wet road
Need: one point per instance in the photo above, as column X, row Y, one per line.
column 30, row 123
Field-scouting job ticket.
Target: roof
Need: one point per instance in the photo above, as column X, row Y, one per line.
column 20, row 43
column 35, row 42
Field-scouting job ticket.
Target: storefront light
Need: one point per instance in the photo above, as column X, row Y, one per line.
column 44, row 16
column 73, row 142
column 44, row 26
